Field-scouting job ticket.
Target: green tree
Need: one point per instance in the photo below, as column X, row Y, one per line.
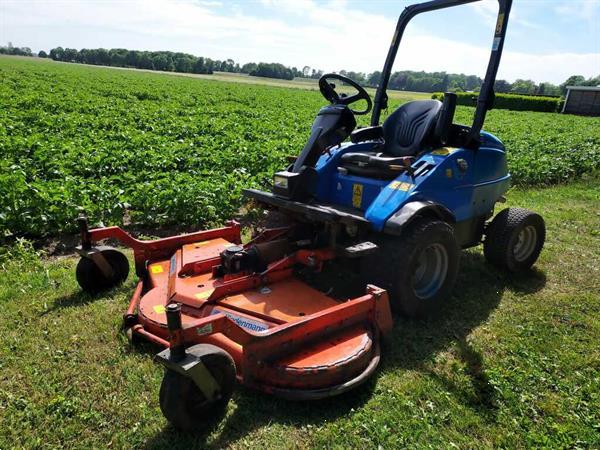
column 183, row 64
column 160, row 61
column 523, row 87
column 573, row 80
column 57, row 53
column 374, row 78
column 145, row 61
column 548, row 89
column 133, row 58
column 249, row 67
column 502, row 86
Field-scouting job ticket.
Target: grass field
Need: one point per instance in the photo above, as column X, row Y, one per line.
column 513, row 362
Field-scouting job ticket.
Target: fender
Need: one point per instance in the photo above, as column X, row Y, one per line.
column 407, row 213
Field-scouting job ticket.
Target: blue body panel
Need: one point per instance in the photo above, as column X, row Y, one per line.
column 467, row 182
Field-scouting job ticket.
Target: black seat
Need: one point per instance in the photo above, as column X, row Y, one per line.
column 407, row 129
column 374, row 165
column 404, row 134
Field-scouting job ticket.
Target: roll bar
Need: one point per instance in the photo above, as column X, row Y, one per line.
column 486, row 94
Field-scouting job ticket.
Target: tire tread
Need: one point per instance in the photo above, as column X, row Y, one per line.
column 383, row 268
column 497, row 246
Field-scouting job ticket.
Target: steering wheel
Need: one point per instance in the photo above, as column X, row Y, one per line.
column 330, row 94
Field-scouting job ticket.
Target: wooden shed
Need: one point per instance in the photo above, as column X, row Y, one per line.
column 583, row 100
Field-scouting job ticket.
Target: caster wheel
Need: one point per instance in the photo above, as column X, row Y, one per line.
column 514, row 239
column 133, row 339
column 92, row 280
column 181, row 400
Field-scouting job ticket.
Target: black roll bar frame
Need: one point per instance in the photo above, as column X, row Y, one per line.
column 486, row 94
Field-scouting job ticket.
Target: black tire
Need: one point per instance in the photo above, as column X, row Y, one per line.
column 402, row 267
column 514, row 239
column 92, row 280
column 182, row 402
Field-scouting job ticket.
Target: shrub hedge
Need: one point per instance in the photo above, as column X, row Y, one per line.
column 513, row 102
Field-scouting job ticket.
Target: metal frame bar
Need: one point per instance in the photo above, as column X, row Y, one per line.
column 484, row 102
column 145, row 251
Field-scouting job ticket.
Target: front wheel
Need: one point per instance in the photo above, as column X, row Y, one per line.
column 184, row 404
column 91, row 279
column 514, row 239
column 418, row 269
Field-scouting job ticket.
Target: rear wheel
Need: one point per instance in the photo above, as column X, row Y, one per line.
column 92, row 280
column 181, row 400
column 418, row 268
column 514, row 239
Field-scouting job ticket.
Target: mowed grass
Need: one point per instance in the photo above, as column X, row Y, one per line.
column 512, row 362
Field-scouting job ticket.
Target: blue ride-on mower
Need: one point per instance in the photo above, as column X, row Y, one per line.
column 406, row 195
column 395, row 205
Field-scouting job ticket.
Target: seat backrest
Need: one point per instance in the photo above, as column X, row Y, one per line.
column 406, row 129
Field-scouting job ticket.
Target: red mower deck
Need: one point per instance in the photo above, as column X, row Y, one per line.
column 285, row 337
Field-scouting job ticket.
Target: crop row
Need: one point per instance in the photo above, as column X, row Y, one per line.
column 159, row 150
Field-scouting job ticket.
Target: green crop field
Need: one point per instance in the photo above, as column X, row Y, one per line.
column 512, row 361
column 169, row 150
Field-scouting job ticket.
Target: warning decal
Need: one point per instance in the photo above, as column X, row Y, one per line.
column 400, row 186
column 499, row 23
column 357, row 191
column 156, row 269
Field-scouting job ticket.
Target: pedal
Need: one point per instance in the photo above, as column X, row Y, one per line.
column 359, row 250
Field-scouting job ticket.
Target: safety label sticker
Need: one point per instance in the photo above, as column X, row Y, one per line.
column 244, row 322
column 206, row 329
column 156, row 269
column 444, row 151
column 173, row 265
column 204, row 294
column 357, row 191
column 499, row 23
column 496, row 44
column 400, row 186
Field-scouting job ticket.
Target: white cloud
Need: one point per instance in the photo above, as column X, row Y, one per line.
column 459, row 57
column 329, row 36
column 578, row 10
column 488, row 12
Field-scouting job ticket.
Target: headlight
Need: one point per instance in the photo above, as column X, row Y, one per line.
column 280, row 182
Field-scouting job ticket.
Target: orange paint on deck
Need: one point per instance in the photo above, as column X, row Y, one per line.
column 287, row 300
column 199, row 251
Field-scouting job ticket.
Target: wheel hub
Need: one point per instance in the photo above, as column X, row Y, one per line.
column 430, row 272
column 525, row 244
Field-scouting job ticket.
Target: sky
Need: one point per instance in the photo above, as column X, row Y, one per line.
column 547, row 40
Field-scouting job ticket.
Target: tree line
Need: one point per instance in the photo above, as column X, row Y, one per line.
column 408, row 80
column 18, row 51
column 163, row 61
column 405, row 80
